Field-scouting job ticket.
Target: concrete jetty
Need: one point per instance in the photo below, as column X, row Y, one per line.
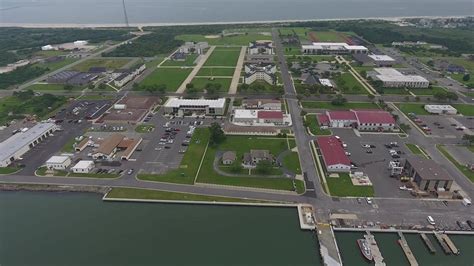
column 442, row 243
column 428, row 243
column 406, row 249
column 450, row 244
column 328, row 245
column 378, row 259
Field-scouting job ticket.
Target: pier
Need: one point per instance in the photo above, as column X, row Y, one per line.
column 450, row 244
column 442, row 243
column 378, row 259
column 328, row 245
column 428, row 243
column 406, row 249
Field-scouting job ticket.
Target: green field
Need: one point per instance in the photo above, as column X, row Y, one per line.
column 292, row 162
column 8, row 170
column 171, row 77
column 415, row 149
column 56, row 65
column 110, row 64
column 313, row 126
column 416, row 108
column 188, row 168
column 347, row 84
column 326, row 36
column 342, row 187
column 242, row 144
column 223, row 58
column 188, row 62
column 200, row 83
column 215, row 71
column 463, row 168
column 134, row 193
column 464, row 109
column 346, row 106
column 395, row 91
column 229, row 40
column 427, row 91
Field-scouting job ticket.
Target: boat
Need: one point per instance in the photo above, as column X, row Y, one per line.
column 365, row 249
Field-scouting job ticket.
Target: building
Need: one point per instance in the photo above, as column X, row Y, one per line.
column 259, row 116
column 267, row 117
column 182, row 106
column 382, row 60
column 440, row 109
column 178, row 56
column 246, row 116
column 261, row 47
column 116, row 145
column 309, row 79
column 47, row 47
column 135, row 109
column 229, row 157
column 74, row 78
column 391, row 78
column 129, row 75
column 58, row 162
column 364, row 120
column 193, row 47
column 253, row 157
column 326, row 83
column 265, row 104
column 15, row 146
column 427, row 174
column 80, row 43
column 83, row 167
column 334, row 156
column 262, row 71
column 333, row 48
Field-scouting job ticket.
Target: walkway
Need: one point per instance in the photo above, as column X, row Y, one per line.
column 238, row 69
column 196, row 69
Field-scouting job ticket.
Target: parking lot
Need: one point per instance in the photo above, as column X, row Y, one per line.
column 375, row 163
column 82, row 110
column 453, row 127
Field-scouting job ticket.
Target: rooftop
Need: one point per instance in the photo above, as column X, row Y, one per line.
column 332, row 151
column 270, row 114
column 83, row 164
column 177, row 102
column 373, row 116
column 341, row 115
column 245, row 113
column 382, row 57
column 57, row 159
column 391, row 74
column 428, row 169
column 334, row 46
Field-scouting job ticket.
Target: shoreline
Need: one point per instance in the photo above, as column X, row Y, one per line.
column 162, row 24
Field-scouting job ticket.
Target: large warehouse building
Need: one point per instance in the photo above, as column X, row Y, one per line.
column 365, row 120
column 391, row 78
column 333, row 48
column 427, row 174
column 14, row 147
column 182, row 106
column 334, row 156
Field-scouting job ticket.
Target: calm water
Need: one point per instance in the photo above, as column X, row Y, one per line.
column 180, row 11
column 80, row 229
column 393, row 254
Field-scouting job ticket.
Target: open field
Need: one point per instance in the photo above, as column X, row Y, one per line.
column 215, row 71
column 395, row 91
column 134, row 193
column 416, row 108
column 346, row 106
column 347, row 84
column 313, row 126
column 292, row 162
column 8, row 170
column 56, row 65
column 200, row 83
column 464, row 109
column 171, row 77
column 223, row 58
column 188, row 168
column 463, row 168
column 50, row 87
column 326, row 36
column 427, row 92
column 342, row 187
column 188, row 62
column 228, row 40
column 110, row 64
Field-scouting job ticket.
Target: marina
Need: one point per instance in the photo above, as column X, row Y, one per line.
column 406, row 249
column 442, row 243
column 428, row 243
column 450, row 244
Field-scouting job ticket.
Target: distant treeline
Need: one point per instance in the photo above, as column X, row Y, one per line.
column 20, row 43
column 20, row 75
column 147, row 46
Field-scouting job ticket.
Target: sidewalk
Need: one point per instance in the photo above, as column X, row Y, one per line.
column 182, row 87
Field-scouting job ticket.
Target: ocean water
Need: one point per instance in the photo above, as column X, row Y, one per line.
column 199, row 11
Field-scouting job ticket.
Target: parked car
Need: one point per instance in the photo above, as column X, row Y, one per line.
column 369, row 200
column 130, row 171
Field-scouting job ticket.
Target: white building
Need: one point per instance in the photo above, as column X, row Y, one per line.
column 246, row 116
column 265, row 104
column 265, row 72
column 333, row 48
column 391, row 78
column 261, row 48
column 382, row 60
column 440, row 109
column 262, row 117
column 83, row 166
column 193, row 47
column 58, row 162
column 47, row 47
column 14, row 147
column 326, row 83
column 181, row 106
column 80, row 43
column 128, row 76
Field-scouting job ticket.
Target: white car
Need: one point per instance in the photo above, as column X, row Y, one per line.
column 337, row 137
column 344, row 145
column 430, row 220
column 348, row 153
column 369, row 200
column 365, row 145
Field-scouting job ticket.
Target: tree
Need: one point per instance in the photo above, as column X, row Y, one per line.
column 236, row 167
column 68, row 87
column 466, row 77
column 303, row 113
column 161, row 88
column 339, row 100
column 264, row 167
column 151, row 89
column 451, row 96
column 217, row 134
column 189, row 86
column 102, row 86
column 469, row 139
column 417, row 99
column 440, row 95
column 363, row 73
column 91, row 86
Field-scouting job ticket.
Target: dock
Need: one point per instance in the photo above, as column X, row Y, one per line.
column 442, row 243
column 450, row 244
column 378, row 259
column 328, row 245
column 428, row 243
column 406, row 249
column 306, row 217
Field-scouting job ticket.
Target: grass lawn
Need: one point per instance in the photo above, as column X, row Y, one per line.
column 223, row 58
column 415, row 149
column 292, row 50
column 416, row 108
column 228, row 40
column 215, row 71
column 144, row 128
column 242, row 144
column 93, row 175
column 292, row 162
column 326, row 36
column 188, row 168
column 188, row 62
column 471, row 148
column 396, row 91
column 134, row 193
column 427, row 92
column 346, row 106
column 313, row 126
column 68, row 146
column 347, row 84
column 171, row 77
column 51, row 87
column 55, row 65
column 463, row 168
column 110, row 64
column 464, row 109
column 342, row 187
column 200, row 83
column 8, row 170
column 42, row 172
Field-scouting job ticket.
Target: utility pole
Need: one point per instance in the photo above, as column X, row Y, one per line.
column 125, row 13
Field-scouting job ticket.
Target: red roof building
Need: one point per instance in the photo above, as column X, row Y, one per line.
column 270, row 115
column 374, row 117
column 364, row 120
column 334, row 156
column 323, row 120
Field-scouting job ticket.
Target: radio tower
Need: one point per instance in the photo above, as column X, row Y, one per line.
column 125, row 13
